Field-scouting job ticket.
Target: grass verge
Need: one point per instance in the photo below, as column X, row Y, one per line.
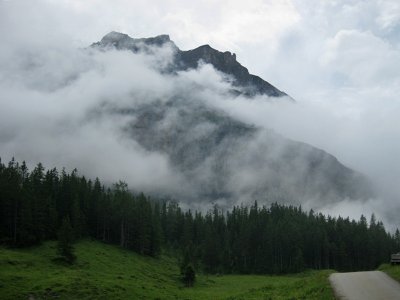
column 392, row 271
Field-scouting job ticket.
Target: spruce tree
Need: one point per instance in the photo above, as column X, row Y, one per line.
column 65, row 240
column 397, row 240
column 189, row 275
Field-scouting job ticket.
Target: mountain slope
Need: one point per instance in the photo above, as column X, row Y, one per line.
column 225, row 159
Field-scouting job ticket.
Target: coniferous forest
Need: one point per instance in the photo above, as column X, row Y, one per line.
column 256, row 239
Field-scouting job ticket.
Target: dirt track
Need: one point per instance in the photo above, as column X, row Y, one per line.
column 373, row 285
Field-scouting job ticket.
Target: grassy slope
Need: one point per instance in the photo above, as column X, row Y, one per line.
column 108, row 272
column 393, row 271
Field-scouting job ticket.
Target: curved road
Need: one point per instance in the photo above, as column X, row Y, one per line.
column 372, row 285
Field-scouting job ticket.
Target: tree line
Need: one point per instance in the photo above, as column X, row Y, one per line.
column 247, row 239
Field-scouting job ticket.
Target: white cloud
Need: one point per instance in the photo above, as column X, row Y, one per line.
column 362, row 58
column 389, row 14
column 228, row 25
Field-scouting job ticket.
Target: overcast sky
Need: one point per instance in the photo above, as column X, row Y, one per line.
column 339, row 59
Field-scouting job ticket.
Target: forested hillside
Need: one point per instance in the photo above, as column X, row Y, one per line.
column 274, row 239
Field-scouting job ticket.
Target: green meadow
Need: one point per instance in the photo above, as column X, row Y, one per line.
column 109, row 272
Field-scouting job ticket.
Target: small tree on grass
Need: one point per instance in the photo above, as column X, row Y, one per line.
column 187, row 269
column 65, row 240
column 189, row 275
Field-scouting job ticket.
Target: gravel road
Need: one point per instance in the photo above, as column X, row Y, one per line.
column 372, row 285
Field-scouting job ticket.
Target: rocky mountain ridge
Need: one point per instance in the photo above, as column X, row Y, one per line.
column 224, row 62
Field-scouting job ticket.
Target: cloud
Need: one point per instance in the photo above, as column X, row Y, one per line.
column 361, row 58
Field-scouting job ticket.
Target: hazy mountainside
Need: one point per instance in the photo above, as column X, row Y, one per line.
column 219, row 158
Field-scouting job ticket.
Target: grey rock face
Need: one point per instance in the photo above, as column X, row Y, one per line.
column 226, row 62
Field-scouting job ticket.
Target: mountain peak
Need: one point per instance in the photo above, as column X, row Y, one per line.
column 158, row 40
column 163, row 37
column 123, row 41
column 224, row 62
column 114, row 36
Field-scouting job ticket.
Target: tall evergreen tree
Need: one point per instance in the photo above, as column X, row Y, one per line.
column 65, row 240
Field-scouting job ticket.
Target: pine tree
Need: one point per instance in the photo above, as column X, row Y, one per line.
column 155, row 238
column 187, row 257
column 397, row 240
column 65, row 240
column 189, row 275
